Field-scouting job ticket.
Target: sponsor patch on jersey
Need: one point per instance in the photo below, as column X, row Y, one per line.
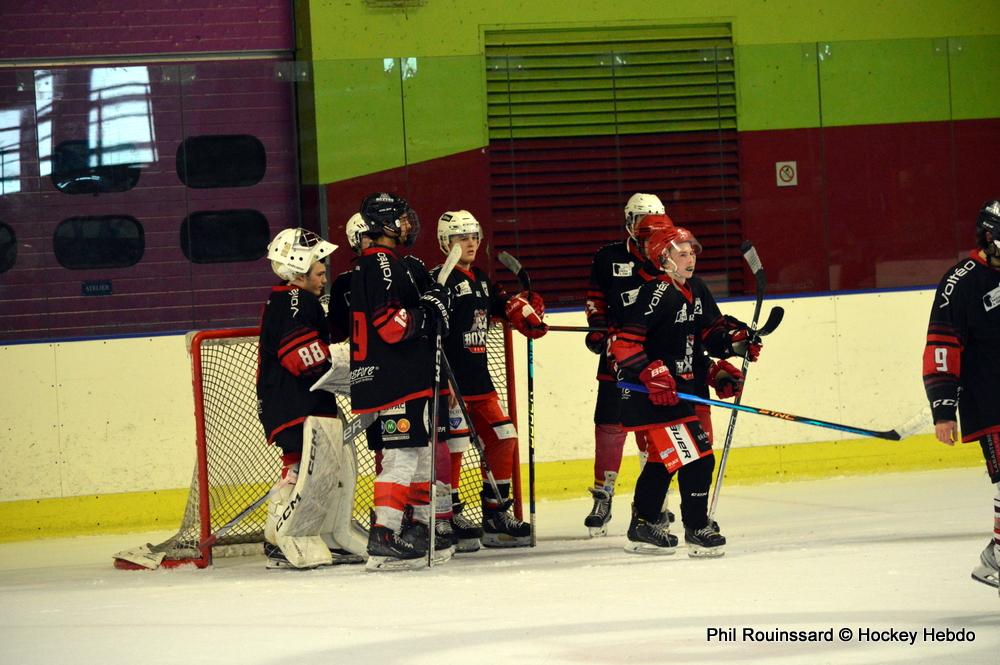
column 398, row 410
column 991, row 299
column 505, row 431
column 621, row 269
column 403, row 425
column 629, row 297
column 463, row 289
column 363, row 374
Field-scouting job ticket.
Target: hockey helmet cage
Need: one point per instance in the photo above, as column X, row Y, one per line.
column 639, row 205
column 355, row 230
column 661, row 241
column 989, row 220
column 456, row 223
column 293, row 252
column 385, row 214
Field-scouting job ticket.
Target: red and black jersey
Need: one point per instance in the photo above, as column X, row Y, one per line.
column 474, row 300
column 339, row 313
column 962, row 355
column 617, row 272
column 293, row 353
column 674, row 323
column 392, row 348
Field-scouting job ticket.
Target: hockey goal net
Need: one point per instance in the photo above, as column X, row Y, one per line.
column 235, row 466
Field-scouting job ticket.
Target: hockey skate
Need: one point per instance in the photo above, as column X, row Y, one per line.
column 417, row 535
column 649, row 537
column 502, row 529
column 600, row 514
column 466, row 533
column 387, row 551
column 987, row 571
column 705, row 542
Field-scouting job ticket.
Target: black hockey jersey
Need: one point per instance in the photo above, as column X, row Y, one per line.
column 293, row 352
column 474, row 300
column 392, row 350
column 673, row 323
column 617, row 272
column 962, row 356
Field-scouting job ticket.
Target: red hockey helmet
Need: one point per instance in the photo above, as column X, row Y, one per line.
column 660, row 242
column 646, row 227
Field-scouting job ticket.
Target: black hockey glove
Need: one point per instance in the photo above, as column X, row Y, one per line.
column 436, row 302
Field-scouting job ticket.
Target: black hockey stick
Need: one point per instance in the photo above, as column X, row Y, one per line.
column 515, row 267
column 750, row 255
column 773, row 321
column 446, row 268
column 909, row 427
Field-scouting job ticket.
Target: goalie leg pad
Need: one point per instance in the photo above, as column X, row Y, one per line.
column 340, row 531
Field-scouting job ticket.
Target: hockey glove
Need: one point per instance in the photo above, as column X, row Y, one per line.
column 742, row 344
column 662, row 388
column 596, row 341
column 526, row 312
column 436, row 302
column 726, row 379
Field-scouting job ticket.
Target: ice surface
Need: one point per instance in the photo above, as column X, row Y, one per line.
column 878, row 553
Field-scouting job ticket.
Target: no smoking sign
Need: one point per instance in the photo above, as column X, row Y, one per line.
column 786, row 174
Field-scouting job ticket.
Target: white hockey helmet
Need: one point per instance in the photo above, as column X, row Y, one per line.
column 456, row 223
column 293, row 252
column 639, row 205
column 356, row 228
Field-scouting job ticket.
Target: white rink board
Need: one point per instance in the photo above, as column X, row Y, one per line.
column 111, row 416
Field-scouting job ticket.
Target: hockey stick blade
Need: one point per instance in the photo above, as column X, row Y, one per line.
column 515, row 267
column 774, row 318
column 890, row 435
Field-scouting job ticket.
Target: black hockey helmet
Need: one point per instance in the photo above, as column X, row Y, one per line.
column 385, row 213
column 989, row 220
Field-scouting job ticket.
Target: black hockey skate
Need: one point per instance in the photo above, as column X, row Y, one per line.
column 649, row 537
column 466, row 532
column 987, row 571
column 387, row 551
column 502, row 529
column 418, row 535
column 600, row 514
column 705, row 542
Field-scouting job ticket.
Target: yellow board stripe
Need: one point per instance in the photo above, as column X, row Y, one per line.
column 162, row 510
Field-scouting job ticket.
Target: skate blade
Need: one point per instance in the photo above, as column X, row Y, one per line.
column 698, row 552
column 347, row 559
column 986, row 575
column 498, row 540
column 440, row 556
column 598, row 531
column 633, row 547
column 467, row 545
column 390, row 564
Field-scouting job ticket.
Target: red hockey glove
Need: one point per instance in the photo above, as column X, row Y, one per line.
column 726, row 379
column 526, row 311
column 596, row 341
column 662, row 388
column 743, row 345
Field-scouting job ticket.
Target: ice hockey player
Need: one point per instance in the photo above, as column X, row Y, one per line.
column 308, row 521
column 393, row 327
column 474, row 301
column 961, row 359
column 664, row 335
column 617, row 272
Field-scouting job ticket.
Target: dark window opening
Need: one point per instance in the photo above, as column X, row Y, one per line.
column 72, row 172
column 224, row 236
column 8, row 248
column 110, row 241
column 225, row 160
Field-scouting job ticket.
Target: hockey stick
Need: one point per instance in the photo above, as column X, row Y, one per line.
column 515, row 267
column 750, row 255
column 352, row 430
column 446, row 268
column 907, row 428
column 773, row 321
column 473, row 436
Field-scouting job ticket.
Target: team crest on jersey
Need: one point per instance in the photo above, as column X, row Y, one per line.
column 991, row 299
column 621, row 269
column 474, row 339
column 682, row 314
column 697, row 306
column 463, row 289
column 629, row 297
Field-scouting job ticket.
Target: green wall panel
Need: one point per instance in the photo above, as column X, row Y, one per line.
column 867, row 83
column 777, row 86
column 975, row 77
column 358, row 116
column 445, row 106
